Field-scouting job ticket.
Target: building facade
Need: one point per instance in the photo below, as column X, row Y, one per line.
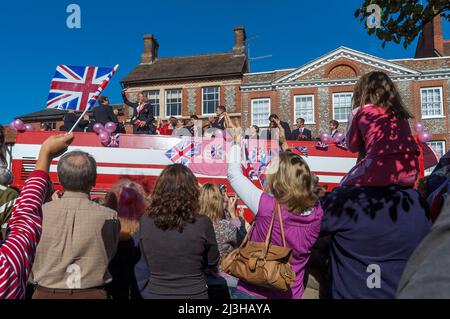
column 321, row 91
column 183, row 86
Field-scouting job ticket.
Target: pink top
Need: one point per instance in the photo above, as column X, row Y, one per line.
column 301, row 232
column 391, row 153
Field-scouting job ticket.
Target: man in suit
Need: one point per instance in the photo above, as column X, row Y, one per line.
column 104, row 112
column 69, row 121
column 275, row 122
column 301, row 133
column 219, row 121
column 143, row 116
column 334, row 127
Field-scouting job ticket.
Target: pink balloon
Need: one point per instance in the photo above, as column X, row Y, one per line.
column 325, row 138
column 418, row 127
column 104, row 137
column 110, row 127
column 338, row 138
column 12, row 126
column 19, row 125
column 425, row 137
column 98, row 127
column 29, row 127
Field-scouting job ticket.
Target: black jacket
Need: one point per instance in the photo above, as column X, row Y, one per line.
column 219, row 123
column 296, row 135
column 146, row 115
column 104, row 114
column 69, row 121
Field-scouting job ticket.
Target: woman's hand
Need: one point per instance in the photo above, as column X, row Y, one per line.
column 232, row 206
column 54, row 146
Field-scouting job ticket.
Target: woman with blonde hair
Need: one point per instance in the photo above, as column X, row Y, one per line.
column 291, row 187
column 129, row 199
column 229, row 232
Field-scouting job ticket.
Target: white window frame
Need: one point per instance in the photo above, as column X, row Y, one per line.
column 158, row 94
column 166, row 91
column 296, row 106
column 333, row 108
column 441, row 107
column 218, row 102
column 430, row 170
column 270, row 108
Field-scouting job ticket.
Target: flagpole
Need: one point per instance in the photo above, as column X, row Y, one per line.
column 95, row 97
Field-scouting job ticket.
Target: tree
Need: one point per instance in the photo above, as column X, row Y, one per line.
column 400, row 20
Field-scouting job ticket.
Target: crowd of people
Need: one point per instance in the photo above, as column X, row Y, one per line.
column 144, row 121
column 372, row 237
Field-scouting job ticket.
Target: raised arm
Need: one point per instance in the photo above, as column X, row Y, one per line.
column 244, row 188
column 24, row 228
column 127, row 101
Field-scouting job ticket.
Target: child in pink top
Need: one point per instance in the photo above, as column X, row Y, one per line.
column 380, row 132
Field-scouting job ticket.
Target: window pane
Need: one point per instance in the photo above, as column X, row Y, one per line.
column 304, row 108
column 173, row 102
column 431, row 102
column 342, row 106
column 211, row 99
column 260, row 112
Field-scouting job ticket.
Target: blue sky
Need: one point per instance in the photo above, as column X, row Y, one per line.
column 35, row 38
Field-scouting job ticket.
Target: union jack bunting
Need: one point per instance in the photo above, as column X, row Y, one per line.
column 78, row 87
column 114, row 142
column 256, row 154
column 303, row 150
column 181, row 153
column 216, row 151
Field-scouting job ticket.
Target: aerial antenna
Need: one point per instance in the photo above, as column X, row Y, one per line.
column 250, row 58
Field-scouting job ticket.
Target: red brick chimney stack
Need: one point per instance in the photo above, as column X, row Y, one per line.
column 240, row 39
column 151, row 47
column 431, row 42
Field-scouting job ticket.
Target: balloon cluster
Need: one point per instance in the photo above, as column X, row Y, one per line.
column 424, row 137
column 104, row 132
column 328, row 139
column 20, row 126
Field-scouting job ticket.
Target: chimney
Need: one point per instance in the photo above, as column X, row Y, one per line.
column 431, row 40
column 151, row 46
column 239, row 41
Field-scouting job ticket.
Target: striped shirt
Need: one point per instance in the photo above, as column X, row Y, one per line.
column 18, row 250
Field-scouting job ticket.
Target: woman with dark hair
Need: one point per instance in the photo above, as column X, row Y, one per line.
column 379, row 129
column 179, row 244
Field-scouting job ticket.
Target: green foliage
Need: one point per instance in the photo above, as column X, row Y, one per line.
column 402, row 20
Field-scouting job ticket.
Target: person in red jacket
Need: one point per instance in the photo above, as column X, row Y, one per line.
column 17, row 251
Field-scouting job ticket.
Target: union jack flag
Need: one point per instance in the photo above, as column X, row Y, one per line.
column 256, row 154
column 78, row 87
column 114, row 142
column 303, row 150
column 182, row 152
column 216, row 151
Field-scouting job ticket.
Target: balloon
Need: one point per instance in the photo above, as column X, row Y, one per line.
column 338, row 138
column 425, row 137
column 418, row 127
column 29, row 127
column 18, row 124
column 325, row 138
column 110, row 127
column 104, row 137
column 98, row 127
column 12, row 126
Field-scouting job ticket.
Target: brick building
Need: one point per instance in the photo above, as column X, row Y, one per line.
column 182, row 86
column 321, row 90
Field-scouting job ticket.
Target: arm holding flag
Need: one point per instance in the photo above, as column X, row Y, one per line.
column 244, row 188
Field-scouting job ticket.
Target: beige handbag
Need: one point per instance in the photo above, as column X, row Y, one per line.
column 262, row 264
